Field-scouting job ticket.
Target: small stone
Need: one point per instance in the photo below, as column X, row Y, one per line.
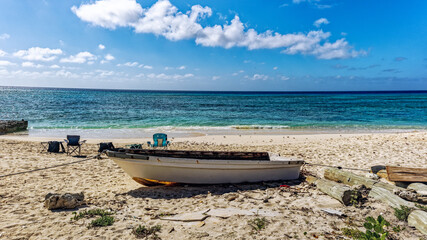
column 64, row 201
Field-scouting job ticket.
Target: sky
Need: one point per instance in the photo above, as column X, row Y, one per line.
column 221, row 45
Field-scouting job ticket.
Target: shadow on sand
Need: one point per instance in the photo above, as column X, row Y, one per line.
column 176, row 191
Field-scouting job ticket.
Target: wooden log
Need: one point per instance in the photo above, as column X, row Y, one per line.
column 341, row 192
column 418, row 219
column 388, row 197
column 351, row 179
column 348, row 178
column 420, row 188
column 404, row 174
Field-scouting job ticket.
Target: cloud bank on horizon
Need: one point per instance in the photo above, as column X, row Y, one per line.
column 164, row 19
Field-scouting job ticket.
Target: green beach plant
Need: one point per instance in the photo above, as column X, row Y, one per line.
column 376, row 229
column 102, row 221
column 105, row 217
column 402, row 213
column 147, row 232
column 258, row 224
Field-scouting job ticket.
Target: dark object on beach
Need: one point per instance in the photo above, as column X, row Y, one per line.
column 63, row 201
column 9, row 126
column 55, row 147
column 403, row 174
column 377, row 168
column 159, row 140
column 106, row 146
column 134, row 146
column 74, row 143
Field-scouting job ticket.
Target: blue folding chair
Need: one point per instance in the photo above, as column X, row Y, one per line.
column 159, row 140
column 73, row 143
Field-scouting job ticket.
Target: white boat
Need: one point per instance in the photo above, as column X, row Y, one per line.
column 150, row 167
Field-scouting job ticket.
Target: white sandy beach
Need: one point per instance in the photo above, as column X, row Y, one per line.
column 296, row 210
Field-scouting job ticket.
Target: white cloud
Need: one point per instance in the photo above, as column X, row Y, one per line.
column 320, row 21
column 100, row 46
column 81, row 57
column 164, row 19
column 148, row 67
column 6, row 63
column 275, row 68
column 31, row 64
column 216, row 78
column 4, row 36
column 284, row 78
column 2, row 53
column 167, row 77
column 38, row 54
column 54, row 66
column 181, row 67
column 257, row 77
column 109, row 13
column 109, row 57
column 128, row 64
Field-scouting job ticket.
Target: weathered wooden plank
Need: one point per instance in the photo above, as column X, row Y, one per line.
column 418, row 219
column 403, row 174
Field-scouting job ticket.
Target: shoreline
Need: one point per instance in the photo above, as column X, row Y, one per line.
column 239, row 137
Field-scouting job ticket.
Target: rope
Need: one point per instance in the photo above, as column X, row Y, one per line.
column 339, row 167
column 45, row 168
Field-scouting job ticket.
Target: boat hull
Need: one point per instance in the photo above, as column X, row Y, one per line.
column 200, row 171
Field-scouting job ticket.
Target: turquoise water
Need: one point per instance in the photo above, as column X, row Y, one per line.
column 111, row 109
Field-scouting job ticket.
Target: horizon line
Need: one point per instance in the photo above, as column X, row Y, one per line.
column 219, row 91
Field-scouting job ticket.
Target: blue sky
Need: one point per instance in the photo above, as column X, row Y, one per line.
column 286, row 45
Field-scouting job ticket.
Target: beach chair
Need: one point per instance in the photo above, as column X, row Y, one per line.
column 53, row 147
column 73, row 143
column 159, row 140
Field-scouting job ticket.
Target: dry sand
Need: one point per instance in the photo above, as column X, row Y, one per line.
column 106, row 186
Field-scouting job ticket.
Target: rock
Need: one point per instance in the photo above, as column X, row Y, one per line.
column 64, row 201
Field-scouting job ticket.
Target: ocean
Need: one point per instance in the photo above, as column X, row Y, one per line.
column 53, row 111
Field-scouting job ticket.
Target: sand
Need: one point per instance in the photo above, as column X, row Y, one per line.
column 291, row 212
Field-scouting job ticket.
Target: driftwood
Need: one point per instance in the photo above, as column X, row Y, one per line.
column 351, row 179
column 420, row 188
column 418, row 219
column 388, row 197
column 341, row 192
column 404, row 174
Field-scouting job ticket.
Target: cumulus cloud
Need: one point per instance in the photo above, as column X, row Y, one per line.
column 6, row 63
column 100, row 46
column 128, row 64
column 109, row 57
column 4, row 36
column 164, row 19
column 2, row 53
column 38, row 54
column 109, row 13
column 215, row 77
column 31, row 64
column 54, row 66
column 80, row 57
column 320, row 21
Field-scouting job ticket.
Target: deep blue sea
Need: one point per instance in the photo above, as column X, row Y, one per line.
column 120, row 109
